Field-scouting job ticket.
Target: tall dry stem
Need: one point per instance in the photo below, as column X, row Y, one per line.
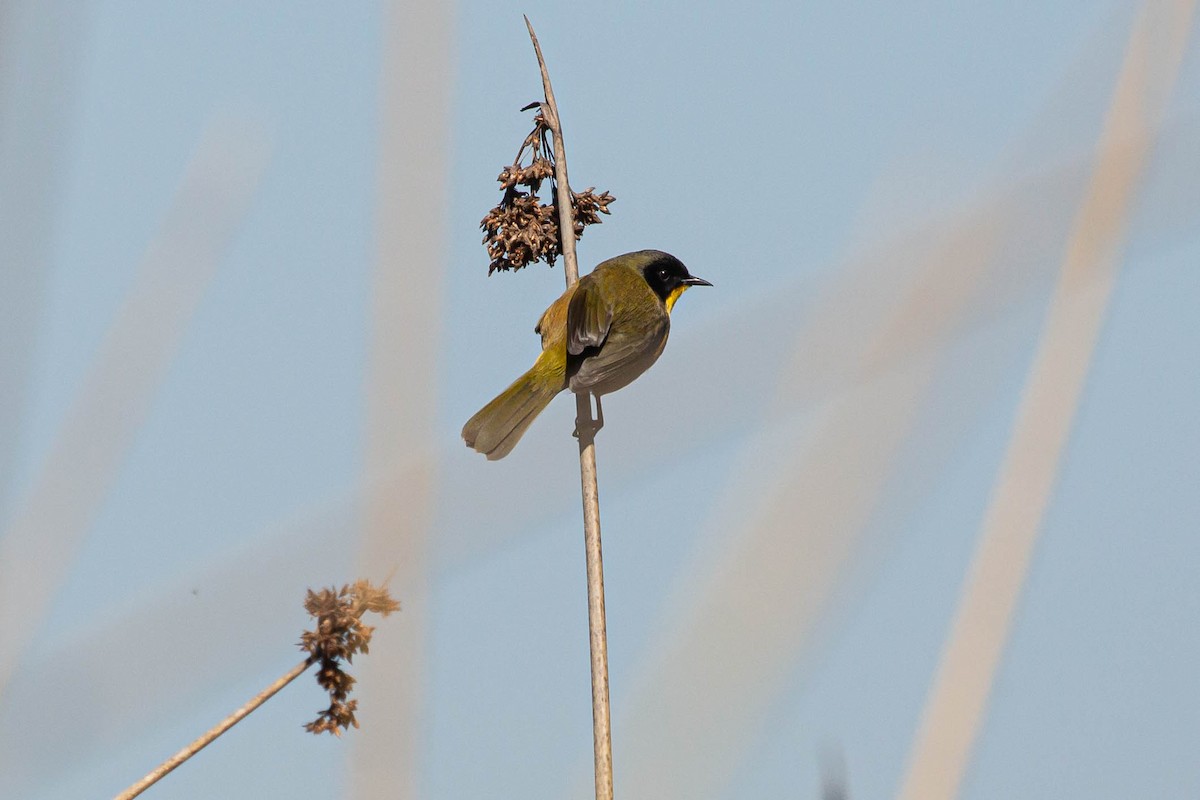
column 585, row 427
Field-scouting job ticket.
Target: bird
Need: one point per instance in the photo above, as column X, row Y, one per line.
column 601, row 334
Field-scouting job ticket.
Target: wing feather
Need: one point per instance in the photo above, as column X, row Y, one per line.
column 589, row 316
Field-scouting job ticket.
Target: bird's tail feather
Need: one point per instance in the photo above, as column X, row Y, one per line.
column 498, row 426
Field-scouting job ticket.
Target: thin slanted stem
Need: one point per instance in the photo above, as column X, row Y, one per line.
column 183, row 755
column 586, row 427
column 566, row 212
column 597, row 627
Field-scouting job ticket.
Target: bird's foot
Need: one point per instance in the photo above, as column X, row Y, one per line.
column 593, row 425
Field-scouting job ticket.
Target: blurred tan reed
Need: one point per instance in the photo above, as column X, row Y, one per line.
column 402, row 379
column 50, row 521
column 957, row 703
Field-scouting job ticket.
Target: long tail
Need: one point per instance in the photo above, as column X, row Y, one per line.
column 498, row 426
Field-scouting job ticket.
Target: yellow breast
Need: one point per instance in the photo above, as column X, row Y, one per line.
column 674, row 295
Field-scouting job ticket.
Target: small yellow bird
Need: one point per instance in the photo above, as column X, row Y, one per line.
column 601, row 334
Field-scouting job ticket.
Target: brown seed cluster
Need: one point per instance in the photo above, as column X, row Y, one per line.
column 339, row 634
column 522, row 228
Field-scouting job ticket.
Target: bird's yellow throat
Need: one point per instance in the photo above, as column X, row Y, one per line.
column 674, row 295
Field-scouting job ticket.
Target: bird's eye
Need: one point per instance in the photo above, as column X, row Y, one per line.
column 662, row 272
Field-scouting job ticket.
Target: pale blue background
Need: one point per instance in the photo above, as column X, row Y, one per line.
column 761, row 144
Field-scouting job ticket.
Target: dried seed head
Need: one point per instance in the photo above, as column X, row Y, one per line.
column 338, row 635
column 522, row 228
column 588, row 207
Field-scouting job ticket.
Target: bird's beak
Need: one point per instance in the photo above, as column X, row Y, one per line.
column 692, row 280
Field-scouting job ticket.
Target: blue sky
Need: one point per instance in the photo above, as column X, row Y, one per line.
column 808, row 160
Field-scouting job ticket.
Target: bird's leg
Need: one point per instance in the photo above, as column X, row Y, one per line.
column 597, row 423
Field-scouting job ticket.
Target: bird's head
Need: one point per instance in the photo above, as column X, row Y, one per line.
column 667, row 276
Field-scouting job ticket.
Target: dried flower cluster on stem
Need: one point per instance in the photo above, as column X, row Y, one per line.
column 522, row 228
column 339, row 635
